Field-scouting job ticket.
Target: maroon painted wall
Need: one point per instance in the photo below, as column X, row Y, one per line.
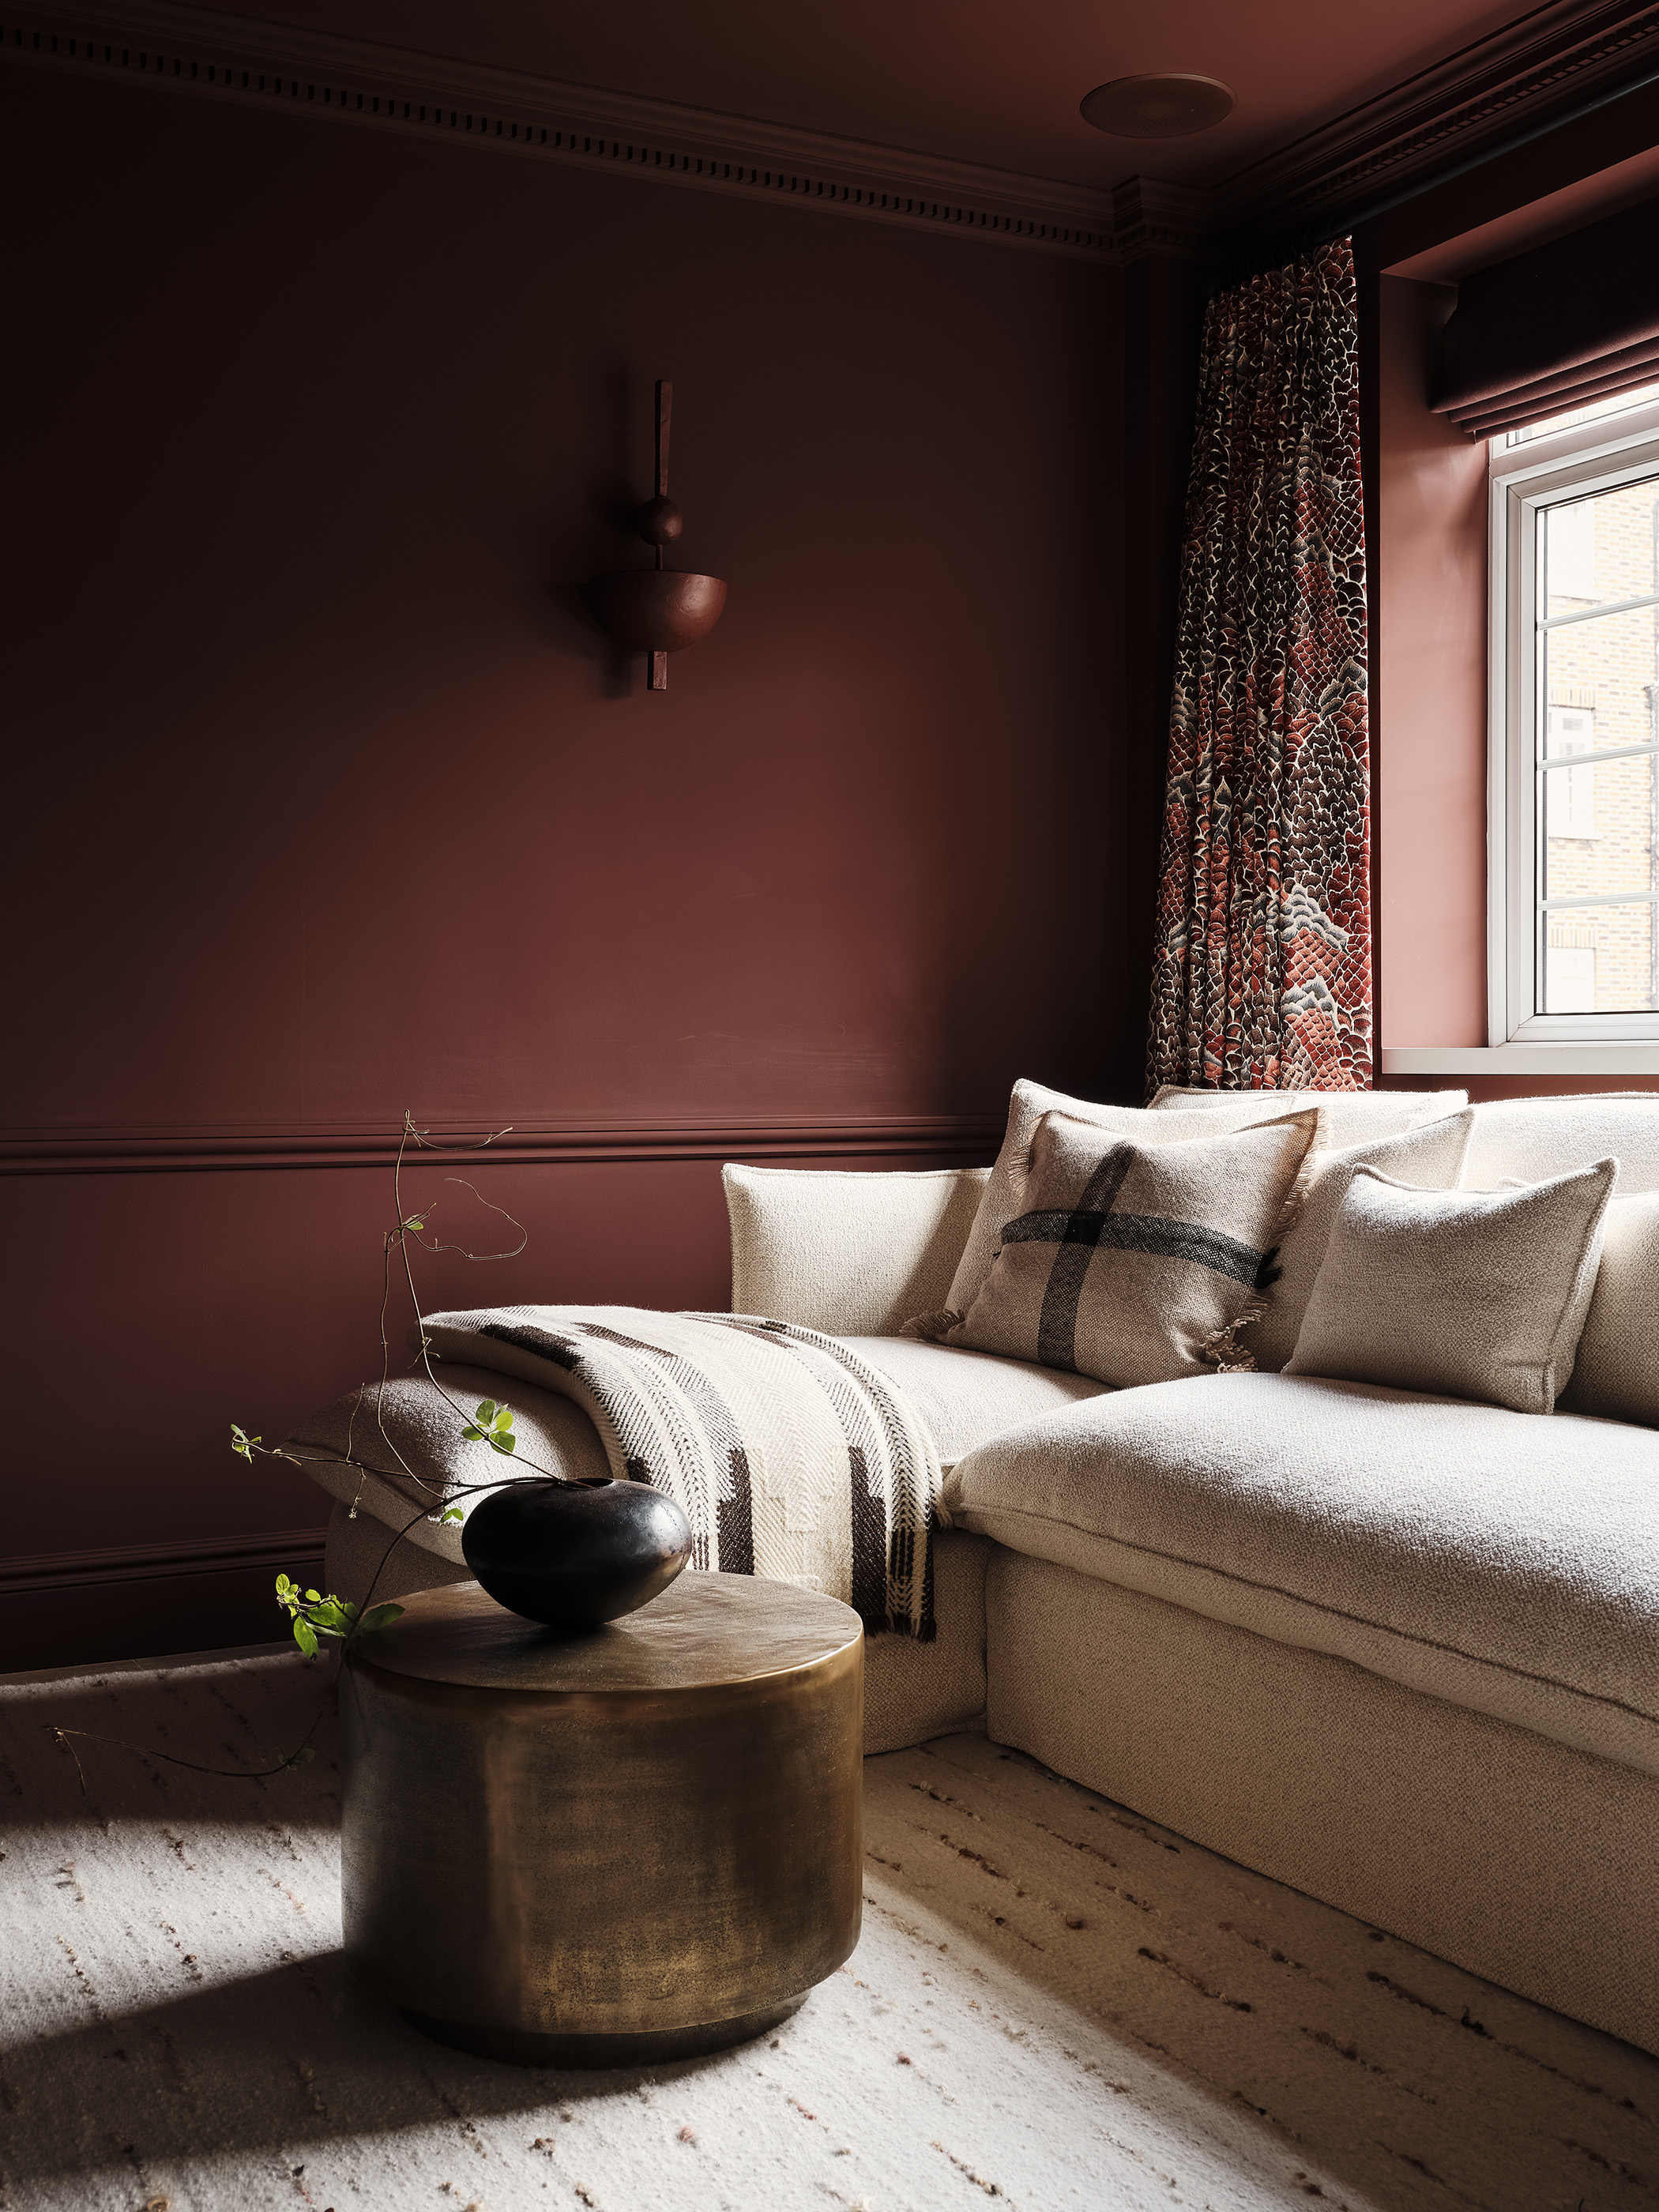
column 327, row 799
column 1431, row 618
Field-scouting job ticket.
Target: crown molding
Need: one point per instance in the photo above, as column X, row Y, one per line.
column 1175, row 220
column 1551, row 62
column 242, row 1148
column 401, row 92
column 1554, row 60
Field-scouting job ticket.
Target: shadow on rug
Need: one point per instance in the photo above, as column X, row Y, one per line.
column 1054, row 2004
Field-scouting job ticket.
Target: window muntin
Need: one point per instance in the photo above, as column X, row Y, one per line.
column 1575, row 785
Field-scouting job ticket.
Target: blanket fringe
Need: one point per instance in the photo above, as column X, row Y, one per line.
column 1223, row 1351
column 931, row 1327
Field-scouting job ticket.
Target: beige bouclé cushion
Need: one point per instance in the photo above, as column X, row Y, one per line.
column 1351, row 1117
column 850, row 1253
column 1026, row 1107
column 1431, row 1157
column 1134, row 1263
column 1468, row 1294
column 1616, row 1373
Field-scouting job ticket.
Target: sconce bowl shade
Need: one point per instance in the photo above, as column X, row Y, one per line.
column 657, row 610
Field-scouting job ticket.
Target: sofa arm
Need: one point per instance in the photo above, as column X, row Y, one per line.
column 391, row 1453
column 852, row 1253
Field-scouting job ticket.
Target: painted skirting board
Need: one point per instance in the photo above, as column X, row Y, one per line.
column 131, row 1601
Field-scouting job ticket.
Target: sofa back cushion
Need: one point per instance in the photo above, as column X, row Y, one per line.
column 852, row 1253
column 1431, row 1157
column 1616, row 1373
column 1526, row 1140
column 1350, row 1115
column 1470, row 1294
column 1134, row 1263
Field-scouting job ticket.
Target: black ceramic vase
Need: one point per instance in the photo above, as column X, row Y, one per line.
column 572, row 1555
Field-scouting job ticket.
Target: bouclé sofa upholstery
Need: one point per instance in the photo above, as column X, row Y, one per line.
column 1400, row 1651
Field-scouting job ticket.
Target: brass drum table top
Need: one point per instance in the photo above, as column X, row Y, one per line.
column 640, row 1843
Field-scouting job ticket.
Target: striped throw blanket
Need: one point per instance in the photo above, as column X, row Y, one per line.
column 792, row 1458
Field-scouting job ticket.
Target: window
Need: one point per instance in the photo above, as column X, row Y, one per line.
column 1573, row 843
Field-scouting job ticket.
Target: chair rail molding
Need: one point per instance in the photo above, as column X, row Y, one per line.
column 142, row 1150
column 403, row 93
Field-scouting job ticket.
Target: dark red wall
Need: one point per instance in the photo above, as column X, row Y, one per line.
column 327, row 799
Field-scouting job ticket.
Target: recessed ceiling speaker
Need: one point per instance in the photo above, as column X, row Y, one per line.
column 1160, row 107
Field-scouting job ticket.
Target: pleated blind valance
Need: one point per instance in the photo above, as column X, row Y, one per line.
column 1568, row 323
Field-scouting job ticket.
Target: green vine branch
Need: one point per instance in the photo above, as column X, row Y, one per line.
column 315, row 1616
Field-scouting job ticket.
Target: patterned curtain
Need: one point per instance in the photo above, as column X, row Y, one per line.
column 1263, row 973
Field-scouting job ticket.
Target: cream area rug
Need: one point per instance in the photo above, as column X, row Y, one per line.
column 1055, row 2004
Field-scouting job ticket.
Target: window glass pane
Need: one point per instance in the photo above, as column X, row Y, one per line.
column 1598, row 549
column 1596, row 683
column 1598, row 826
column 1599, row 960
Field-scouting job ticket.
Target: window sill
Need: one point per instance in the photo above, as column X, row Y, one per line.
column 1612, row 1058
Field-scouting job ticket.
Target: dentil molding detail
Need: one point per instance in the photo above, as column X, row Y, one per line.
column 1550, row 64
column 235, row 59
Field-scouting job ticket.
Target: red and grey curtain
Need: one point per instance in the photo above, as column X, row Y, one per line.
column 1263, row 973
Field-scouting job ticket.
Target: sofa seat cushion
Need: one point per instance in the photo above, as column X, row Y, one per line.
column 966, row 1398
column 1499, row 1561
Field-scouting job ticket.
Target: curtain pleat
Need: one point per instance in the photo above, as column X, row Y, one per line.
column 1263, row 972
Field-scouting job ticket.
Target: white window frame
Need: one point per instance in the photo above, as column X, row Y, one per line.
column 1526, row 479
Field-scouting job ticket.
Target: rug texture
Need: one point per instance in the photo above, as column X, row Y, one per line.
column 1054, row 2005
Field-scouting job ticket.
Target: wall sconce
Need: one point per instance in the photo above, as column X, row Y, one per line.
column 658, row 610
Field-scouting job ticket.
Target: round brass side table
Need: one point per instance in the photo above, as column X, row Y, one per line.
column 643, row 1843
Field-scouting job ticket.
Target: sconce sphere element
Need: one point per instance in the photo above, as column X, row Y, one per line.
column 659, row 522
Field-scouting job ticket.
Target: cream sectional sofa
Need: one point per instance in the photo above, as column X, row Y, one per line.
column 1400, row 1651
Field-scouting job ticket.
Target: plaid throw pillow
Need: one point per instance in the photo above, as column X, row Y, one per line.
column 1137, row 1263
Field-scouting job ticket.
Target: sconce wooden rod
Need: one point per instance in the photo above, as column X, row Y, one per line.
column 658, row 610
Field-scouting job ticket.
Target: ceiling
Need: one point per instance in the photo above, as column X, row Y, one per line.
column 992, row 81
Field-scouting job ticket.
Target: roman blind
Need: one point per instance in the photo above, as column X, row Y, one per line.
column 1568, row 323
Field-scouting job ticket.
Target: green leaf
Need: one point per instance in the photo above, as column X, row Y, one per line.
column 304, row 1638
column 311, row 1596
column 487, row 1412
column 454, row 1513
column 506, row 1443
column 381, row 1614
column 471, row 1436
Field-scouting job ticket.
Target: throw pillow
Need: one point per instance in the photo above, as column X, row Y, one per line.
column 1461, row 1294
column 1351, row 1116
column 1136, row 1263
column 1432, row 1158
column 1000, row 1202
column 802, row 1241
column 1616, row 1373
